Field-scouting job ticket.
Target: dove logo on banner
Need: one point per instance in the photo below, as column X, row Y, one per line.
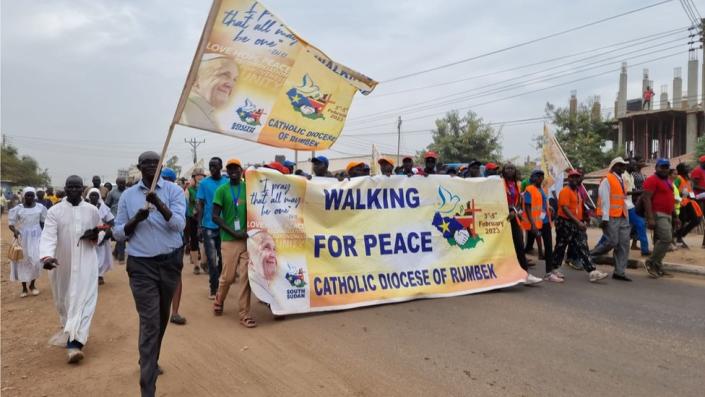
column 455, row 221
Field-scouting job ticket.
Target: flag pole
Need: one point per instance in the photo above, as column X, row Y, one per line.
column 161, row 157
column 568, row 161
column 195, row 64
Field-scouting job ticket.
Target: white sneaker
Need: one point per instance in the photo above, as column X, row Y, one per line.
column 552, row 277
column 74, row 355
column 597, row 275
column 531, row 279
column 559, row 273
column 35, row 292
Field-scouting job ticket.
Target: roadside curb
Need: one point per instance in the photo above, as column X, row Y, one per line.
column 639, row 264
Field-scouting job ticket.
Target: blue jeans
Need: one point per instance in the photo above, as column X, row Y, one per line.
column 211, row 244
column 639, row 225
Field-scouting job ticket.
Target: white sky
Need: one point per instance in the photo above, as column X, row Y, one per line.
column 88, row 85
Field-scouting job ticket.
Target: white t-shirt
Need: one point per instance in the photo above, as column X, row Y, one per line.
column 628, row 180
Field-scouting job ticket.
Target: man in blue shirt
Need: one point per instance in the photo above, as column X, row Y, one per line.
column 153, row 263
column 210, row 231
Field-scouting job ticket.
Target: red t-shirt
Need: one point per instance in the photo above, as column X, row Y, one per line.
column 697, row 177
column 662, row 200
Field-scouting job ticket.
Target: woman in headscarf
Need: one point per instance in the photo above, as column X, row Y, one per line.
column 26, row 222
column 105, row 257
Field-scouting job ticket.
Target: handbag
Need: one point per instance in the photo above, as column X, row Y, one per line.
column 15, row 252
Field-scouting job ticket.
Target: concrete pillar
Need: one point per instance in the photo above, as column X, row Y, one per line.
column 691, row 132
column 621, row 108
column 645, row 81
column 573, row 105
column 692, row 81
column 620, row 136
column 596, row 114
column 664, row 97
column 677, row 89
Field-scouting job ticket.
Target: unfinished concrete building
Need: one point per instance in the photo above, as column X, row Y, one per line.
column 666, row 128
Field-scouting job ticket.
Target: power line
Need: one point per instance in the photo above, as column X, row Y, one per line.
column 435, row 113
column 688, row 12
column 695, row 9
column 628, row 43
column 376, row 115
column 525, row 43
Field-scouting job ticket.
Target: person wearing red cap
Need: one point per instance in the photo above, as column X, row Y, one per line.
column 274, row 165
column 430, row 161
column 571, row 230
column 491, row 169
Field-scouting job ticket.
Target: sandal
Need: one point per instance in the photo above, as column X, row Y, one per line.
column 248, row 322
column 217, row 308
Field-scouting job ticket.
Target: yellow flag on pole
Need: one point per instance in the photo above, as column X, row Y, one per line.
column 554, row 163
column 253, row 78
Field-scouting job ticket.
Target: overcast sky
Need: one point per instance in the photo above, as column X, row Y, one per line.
column 88, row 85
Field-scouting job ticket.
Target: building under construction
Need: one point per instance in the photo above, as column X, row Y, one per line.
column 664, row 128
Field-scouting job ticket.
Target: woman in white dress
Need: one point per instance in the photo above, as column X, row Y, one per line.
column 26, row 221
column 105, row 256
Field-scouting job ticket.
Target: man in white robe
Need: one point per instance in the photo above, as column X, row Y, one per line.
column 68, row 251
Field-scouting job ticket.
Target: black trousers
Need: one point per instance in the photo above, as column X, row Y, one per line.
column 689, row 221
column 518, row 238
column 153, row 281
column 547, row 238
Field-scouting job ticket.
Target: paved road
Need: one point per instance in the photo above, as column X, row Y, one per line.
column 645, row 338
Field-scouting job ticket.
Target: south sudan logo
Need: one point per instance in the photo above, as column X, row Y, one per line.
column 457, row 229
column 296, row 279
column 249, row 114
column 308, row 100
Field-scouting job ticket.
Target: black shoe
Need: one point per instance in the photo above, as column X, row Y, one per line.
column 645, row 254
column 653, row 273
column 661, row 273
column 619, row 277
column 101, row 281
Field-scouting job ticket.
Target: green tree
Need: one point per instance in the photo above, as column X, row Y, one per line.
column 461, row 139
column 171, row 163
column 699, row 149
column 22, row 170
column 582, row 136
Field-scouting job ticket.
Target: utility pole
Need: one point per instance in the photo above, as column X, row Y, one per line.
column 194, row 146
column 702, row 46
column 398, row 141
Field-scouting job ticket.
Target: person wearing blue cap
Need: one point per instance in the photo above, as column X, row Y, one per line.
column 536, row 220
column 320, row 166
column 290, row 165
column 660, row 210
column 169, row 174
